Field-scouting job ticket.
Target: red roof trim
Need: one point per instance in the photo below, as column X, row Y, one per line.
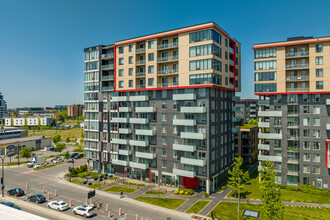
column 288, row 44
column 287, row 93
column 178, row 87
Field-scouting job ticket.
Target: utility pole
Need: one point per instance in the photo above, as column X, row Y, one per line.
column 2, row 178
column 239, row 182
column 18, row 153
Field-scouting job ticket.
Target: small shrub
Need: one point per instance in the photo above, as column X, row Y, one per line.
column 176, row 191
column 181, row 192
column 206, row 194
column 186, row 193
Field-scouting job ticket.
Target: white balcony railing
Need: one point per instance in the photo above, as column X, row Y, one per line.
column 297, row 54
column 167, row 72
column 168, row 46
column 297, row 66
column 167, row 59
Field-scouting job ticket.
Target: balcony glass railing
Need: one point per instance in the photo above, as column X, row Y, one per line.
column 167, row 72
column 168, row 45
column 306, row 89
column 297, row 66
column 165, row 85
column 109, row 77
column 108, row 66
column 141, row 74
column 108, row 88
column 167, row 59
column 140, row 62
column 297, row 78
column 140, row 86
column 231, row 50
column 297, row 54
column 140, row 50
column 108, row 55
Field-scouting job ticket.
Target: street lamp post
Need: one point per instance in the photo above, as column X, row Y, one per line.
column 2, row 178
column 18, row 153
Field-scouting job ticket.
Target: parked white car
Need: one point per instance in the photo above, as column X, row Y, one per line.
column 56, row 160
column 85, row 211
column 58, row 205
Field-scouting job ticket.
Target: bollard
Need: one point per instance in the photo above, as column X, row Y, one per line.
column 48, row 196
column 125, row 216
column 26, row 190
column 55, row 193
column 109, row 214
column 70, row 203
column 119, row 211
column 137, row 217
column 107, row 207
column 86, row 201
column 43, row 190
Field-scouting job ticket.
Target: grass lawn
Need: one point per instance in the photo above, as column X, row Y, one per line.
column 120, row 188
column 15, row 163
column 49, row 165
column 78, row 182
column 72, row 133
column 319, row 196
column 228, row 210
column 198, row 206
column 95, row 185
column 154, row 192
column 163, row 202
column 70, row 123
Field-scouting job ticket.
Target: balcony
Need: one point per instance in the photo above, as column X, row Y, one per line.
column 273, row 136
column 193, row 162
column 231, row 74
column 108, row 67
column 183, row 97
column 142, row 86
column 297, row 78
column 236, row 119
column 201, row 109
column 120, row 162
column 145, row 132
column 145, row 109
column 263, row 124
column 125, row 152
column 145, row 155
column 236, row 109
column 139, row 120
column 140, row 98
column 270, row 158
column 119, row 98
column 263, row 147
column 184, row 122
column 108, row 77
column 231, row 50
column 297, row 66
column 167, row 72
column 270, row 113
column 140, row 50
column 140, row 62
column 139, row 143
column 263, row 102
column 297, row 54
column 306, row 89
column 231, row 62
column 108, row 56
column 140, row 74
column 167, row 59
column 125, row 109
column 167, row 46
column 125, row 131
column 183, row 147
column 185, row 173
column 108, row 88
column 119, row 141
column 195, row 136
column 235, row 129
column 167, row 85
column 141, row 166
column 119, row 120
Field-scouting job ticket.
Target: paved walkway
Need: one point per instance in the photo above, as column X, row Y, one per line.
column 218, row 198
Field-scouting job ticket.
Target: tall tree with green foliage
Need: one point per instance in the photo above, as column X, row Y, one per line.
column 67, row 140
column 25, row 153
column 66, row 155
column 235, row 181
column 56, row 138
column 59, row 147
column 272, row 204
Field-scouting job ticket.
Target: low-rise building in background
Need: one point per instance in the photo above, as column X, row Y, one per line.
column 28, row 121
column 248, row 109
column 8, row 133
column 75, row 110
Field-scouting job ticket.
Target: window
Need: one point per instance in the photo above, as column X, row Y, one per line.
column 121, row 72
column 316, row 122
column 305, row 97
column 121, row 84
column 151, row 69
column 316, row 158
column 316, row 146
column 175, row 41
column 265, row 76
column 130, row 60
column 306, row 122
column 306, row 133
column 164, row 163
column 306, row 145
column 205, row 64
column 319, row 60
column 317, row 134
column 200, row 36
column 200, row 50
column 226, row 42
column 267, row 53
column 130, row 83
column 307, row 157
column 150, row 56
column 164, row 105
column 164, row 93
column 319, row 72
column 316, row 110
column 150, row 82
column 164, row 141
column 265, row 65
column 121, row 61
column 150, row 44
column 316, row 169
column 319, row 84
column 316, row 97
column 307, row 168
column 265, row 87
column 319, row 48
column 130, row 71
column 130, row 48
column 121, row 50
column 164, row 117
column 207, row 78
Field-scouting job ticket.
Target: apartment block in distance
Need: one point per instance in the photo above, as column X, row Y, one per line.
column 292, row 81
column 159, row 108
column 3, row 107
column 74, row 110
column 246, row 143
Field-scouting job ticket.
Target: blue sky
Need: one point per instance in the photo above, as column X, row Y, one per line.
column 42, row 41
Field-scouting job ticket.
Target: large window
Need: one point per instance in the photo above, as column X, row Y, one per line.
column 207, row 78
column 91, row 86
column 266, row 87
column 92, row 65
column 267, row 53
column 319, row 72
column 319, row 60
column 265, row 65
column 92, row 55
column 89, row 76
column 205, row 65
column 265, row 76
column 319, row 48
column 205, row 50
column 205, row 35
column 319, row 84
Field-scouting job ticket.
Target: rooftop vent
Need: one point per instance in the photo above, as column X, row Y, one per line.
column 299, row 38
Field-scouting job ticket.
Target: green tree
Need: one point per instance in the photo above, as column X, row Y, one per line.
column 272, row 204
column 246, row 177
column 64, row 114
column 66, row 155
column 25, row 153
column 67, row 140
column 56, row 138
column 235, row 180
column 59, row 147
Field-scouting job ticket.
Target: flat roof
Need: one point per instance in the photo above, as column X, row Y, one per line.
column 292, row 41
column 22, row 139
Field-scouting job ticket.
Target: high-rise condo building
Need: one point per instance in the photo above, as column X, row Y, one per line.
column 292, row 81
column 3, row 107
column 159, row 107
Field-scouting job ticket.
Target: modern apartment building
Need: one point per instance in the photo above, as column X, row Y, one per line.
column 29, row 121
column 74, row 110
column 3, row 107
column 246, row 143
column 159, row 108
column 248, row 109
column 292, row 81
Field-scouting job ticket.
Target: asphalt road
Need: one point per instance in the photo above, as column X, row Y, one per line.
column 48, row 178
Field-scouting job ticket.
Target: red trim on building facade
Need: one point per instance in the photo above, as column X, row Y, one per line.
column 177, row 87
column 326, row 153
column 288, row 93
column 289, row 44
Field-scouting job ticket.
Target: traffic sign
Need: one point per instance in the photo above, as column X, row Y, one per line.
column 10, row 150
